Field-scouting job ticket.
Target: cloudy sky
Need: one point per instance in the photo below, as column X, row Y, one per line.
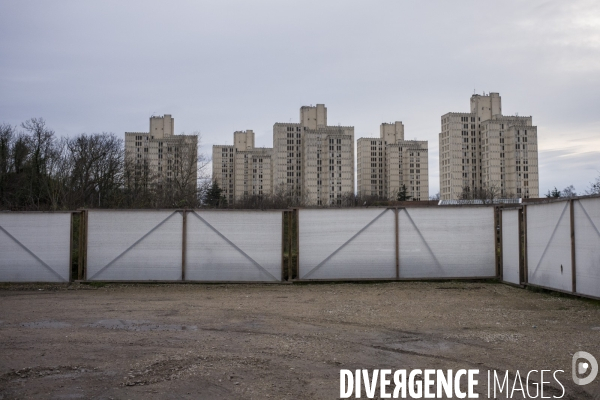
column 222, row 66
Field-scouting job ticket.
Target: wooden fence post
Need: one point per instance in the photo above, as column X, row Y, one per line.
column 71, row 250
column 573, row 261
column 525, row 265
column 500, row 248
column 397, row 244
column 521, row 244
column 183, row 244
column 297, row 242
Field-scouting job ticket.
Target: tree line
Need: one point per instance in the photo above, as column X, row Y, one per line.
column 492, row 192
column 569, row 191
column 285, row 197
column 40, row 171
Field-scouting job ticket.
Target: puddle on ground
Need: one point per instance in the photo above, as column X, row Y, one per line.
column 132, row 325
column 46, row 324
column 422, row 344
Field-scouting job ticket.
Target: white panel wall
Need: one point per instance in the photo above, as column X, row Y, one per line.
column 34, row 247
column 510, row 246
column 447, row 242
column 549, row 245
column 587, row 246
column 234, row 246
column 134, row 245
column 331, row 249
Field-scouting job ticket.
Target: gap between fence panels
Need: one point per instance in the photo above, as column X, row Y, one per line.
column 516, row 285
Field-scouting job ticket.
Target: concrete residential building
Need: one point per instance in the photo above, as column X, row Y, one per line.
column 242, row 169
column 159, row 156
column 388, row 162
column 486, row 150
column 313, row 160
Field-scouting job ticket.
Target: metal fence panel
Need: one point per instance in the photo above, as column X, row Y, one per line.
column 34, row 247
column 510, row 246
column 587, row 246
column 233, row 246
column 549, row 245
column 447, row 242
column 347, row 244
column 134, row 245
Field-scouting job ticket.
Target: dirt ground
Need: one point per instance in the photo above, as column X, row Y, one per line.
column 178, row 341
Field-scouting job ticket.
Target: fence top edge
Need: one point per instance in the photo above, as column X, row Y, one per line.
column 561, row 199
column 396, row 208
column 8, row 212
column 181, row 209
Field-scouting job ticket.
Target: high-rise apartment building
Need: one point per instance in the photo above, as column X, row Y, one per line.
column 388, row 163
column 159, row 156
column 486, row 151
column 242, row 169
column 309, row 160
column 314, row 160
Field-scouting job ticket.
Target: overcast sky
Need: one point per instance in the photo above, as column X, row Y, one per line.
column 222, row 66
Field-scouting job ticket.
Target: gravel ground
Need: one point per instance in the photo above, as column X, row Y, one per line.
column 124, row 341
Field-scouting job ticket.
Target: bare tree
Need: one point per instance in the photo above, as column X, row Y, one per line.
column 24, row 165
column 40, row 142
column 7, row 138
column 290, row 197
column 180, row 188
column 97, row 162
column 283, row 197
column 487, row 194
column 138, row 182
column 568, row 192
column 59, row 172
column 594, row 187
column 368, row 200
column 15, row 179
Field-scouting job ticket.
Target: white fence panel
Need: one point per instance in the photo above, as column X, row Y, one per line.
column 347, row 244
column 234, row 246
column 549, row 245
column 447, row 242
column 134, row 245
column 34, row 247
column 510, row 246
column 587, row 246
